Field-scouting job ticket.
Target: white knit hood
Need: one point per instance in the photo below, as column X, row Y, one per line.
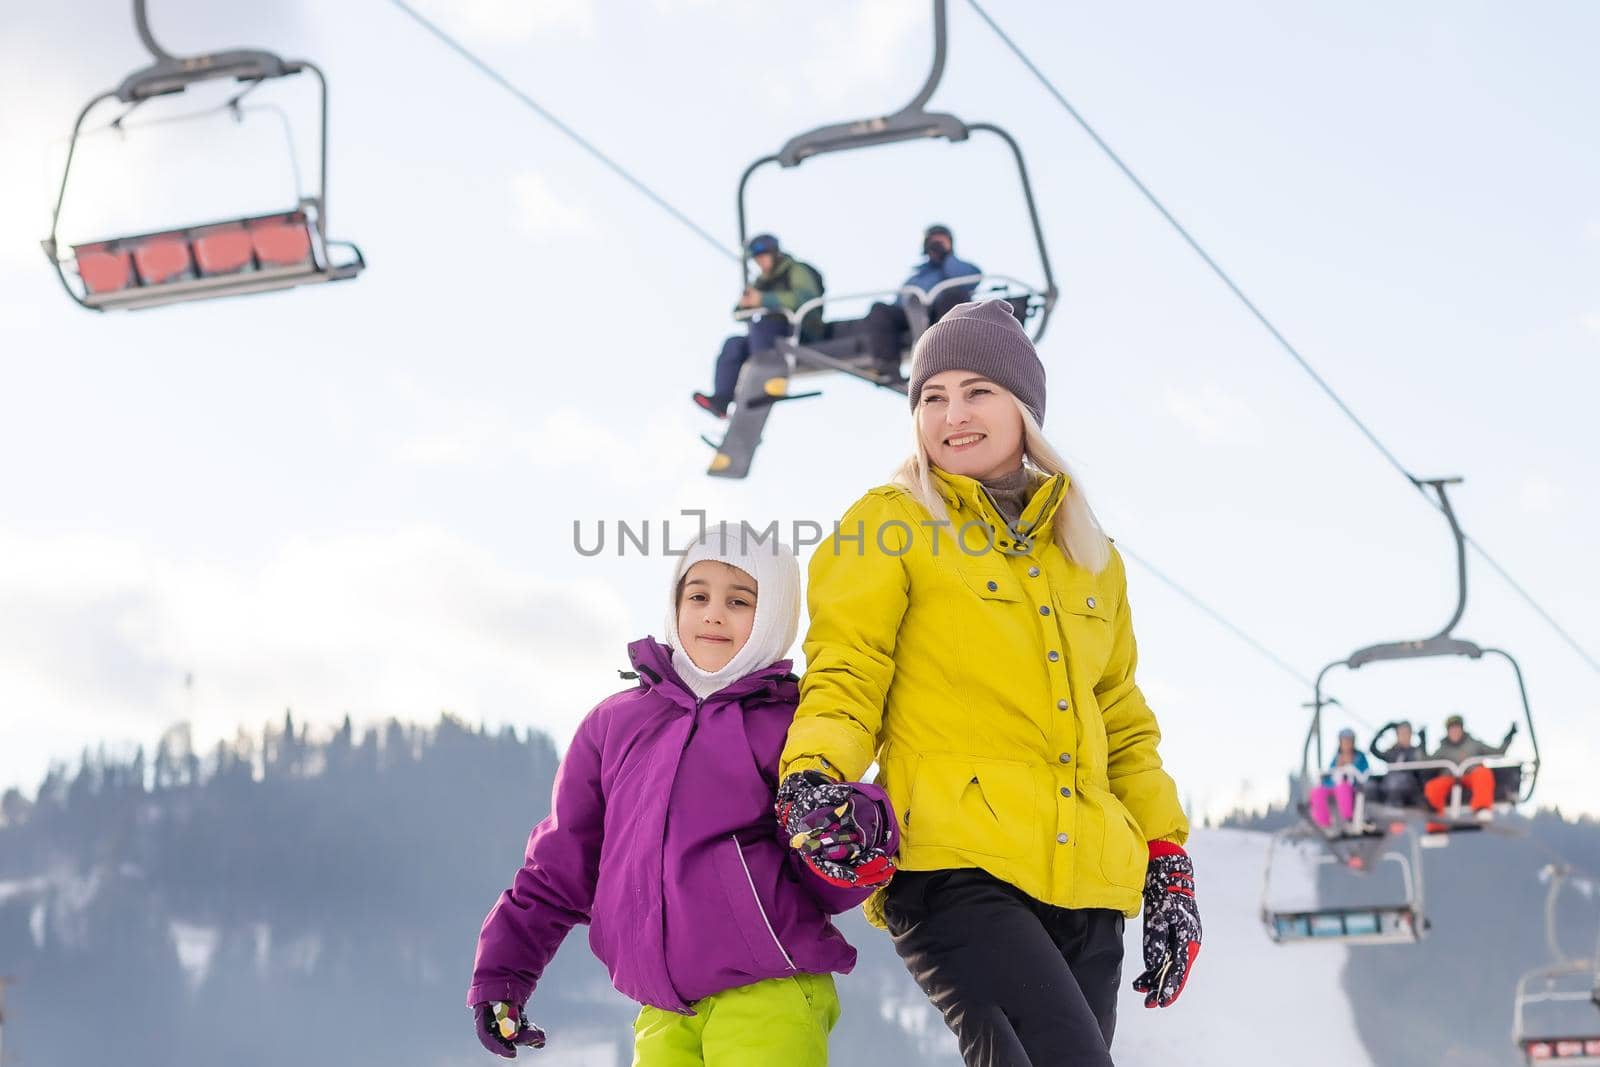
column 772, row 564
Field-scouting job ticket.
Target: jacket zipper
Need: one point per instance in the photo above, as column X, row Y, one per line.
column 757, row 897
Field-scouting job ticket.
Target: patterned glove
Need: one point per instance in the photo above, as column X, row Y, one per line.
column 501, row 1028
column 838, row 830
column 1171, row 925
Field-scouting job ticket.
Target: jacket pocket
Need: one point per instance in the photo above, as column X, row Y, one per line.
column 985, row 807
column 1124, row 853
column 749, row 914
column 990, row 583
column 1086, row 626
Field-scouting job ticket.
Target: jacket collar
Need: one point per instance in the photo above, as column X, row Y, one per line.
column 779, row 267
column 653, row 662
column 968, row 500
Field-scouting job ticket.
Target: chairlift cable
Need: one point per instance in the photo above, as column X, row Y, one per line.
column 573, row 135
column 1260, row 316
column 1222, row 620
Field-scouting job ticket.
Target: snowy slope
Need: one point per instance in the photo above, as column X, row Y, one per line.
column 1249, row 1002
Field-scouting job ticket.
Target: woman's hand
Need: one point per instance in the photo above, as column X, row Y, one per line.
column 1171, row 925
column 501, row 1028
column 840, row 832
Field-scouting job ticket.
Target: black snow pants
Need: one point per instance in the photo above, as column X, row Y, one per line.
column 1020, row 983
column 887, row 324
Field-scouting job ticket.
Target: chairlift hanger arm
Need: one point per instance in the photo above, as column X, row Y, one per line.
column 1527, row 718
column 172, row 73
column 1050, row 291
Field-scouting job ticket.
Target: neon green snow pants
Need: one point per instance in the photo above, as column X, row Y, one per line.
column 781, row 1022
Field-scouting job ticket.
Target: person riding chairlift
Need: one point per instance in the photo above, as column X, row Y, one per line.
column 1457, row 747
column 1399, row 788
column 783, row 285
column 887, row 322
column 1345, row 774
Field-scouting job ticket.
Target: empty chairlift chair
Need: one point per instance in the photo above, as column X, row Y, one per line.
column 215, row 259
column 1554, row 1018
column 1398, row 919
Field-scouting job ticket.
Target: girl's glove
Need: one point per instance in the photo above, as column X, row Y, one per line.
column 1171, row 925
column 501, row 1028
column 839, row 831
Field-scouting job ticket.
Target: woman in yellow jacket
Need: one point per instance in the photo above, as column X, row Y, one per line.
column 970, row 634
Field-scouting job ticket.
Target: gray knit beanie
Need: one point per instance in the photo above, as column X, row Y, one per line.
column 986, row 338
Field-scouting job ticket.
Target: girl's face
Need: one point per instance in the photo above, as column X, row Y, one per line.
column 716, row 610
column 969, row 425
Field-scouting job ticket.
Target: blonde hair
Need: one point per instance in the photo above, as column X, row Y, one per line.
column 1077, row 531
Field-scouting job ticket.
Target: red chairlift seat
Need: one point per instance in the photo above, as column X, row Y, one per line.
column 280, row 241
column 162, row 259
column 104, row 268
column 223, row 249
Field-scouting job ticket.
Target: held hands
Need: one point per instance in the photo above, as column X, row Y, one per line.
column 1171, row 925
column 751, row 298
column 501, row 1028
column 838, row 831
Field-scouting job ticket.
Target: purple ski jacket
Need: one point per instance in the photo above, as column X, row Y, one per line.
column 662, row 837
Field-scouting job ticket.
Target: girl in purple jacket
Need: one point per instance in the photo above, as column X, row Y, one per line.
column 662, row 837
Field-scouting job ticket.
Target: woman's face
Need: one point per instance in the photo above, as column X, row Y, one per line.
column 969, row 425
column 716, row 611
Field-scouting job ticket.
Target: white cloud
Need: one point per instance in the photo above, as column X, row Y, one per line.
column 1541, row 495
column 858, row 52
column 1591, row 322
column 511, row 21
column 1213, row 415
column 100, row 633
column 540, row 209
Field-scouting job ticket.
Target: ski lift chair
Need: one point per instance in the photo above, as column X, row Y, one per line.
column 1401, row 922
column 1541, row 991
column 215, row 259
column 1514, row 779
column 844, row 346
column 1573, row 1037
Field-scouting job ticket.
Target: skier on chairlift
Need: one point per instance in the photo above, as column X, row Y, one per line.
column 1399, row 788
column 887, row 323
column 1457, row 747
column 783, row 285
column 1344, row 776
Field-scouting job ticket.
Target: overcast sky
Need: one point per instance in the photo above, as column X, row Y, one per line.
column 361, row 497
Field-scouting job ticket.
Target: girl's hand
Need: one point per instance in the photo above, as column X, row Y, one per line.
column 501, row 1028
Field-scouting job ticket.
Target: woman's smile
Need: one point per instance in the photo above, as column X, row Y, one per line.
column 963, row 441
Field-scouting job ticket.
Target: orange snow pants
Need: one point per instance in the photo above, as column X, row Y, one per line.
column 1479, row 782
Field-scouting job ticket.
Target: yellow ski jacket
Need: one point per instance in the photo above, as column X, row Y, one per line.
column 995, row 690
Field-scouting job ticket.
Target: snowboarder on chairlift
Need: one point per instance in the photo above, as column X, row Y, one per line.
column 783, row 285
column 1457, row 747
column 887, row 322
